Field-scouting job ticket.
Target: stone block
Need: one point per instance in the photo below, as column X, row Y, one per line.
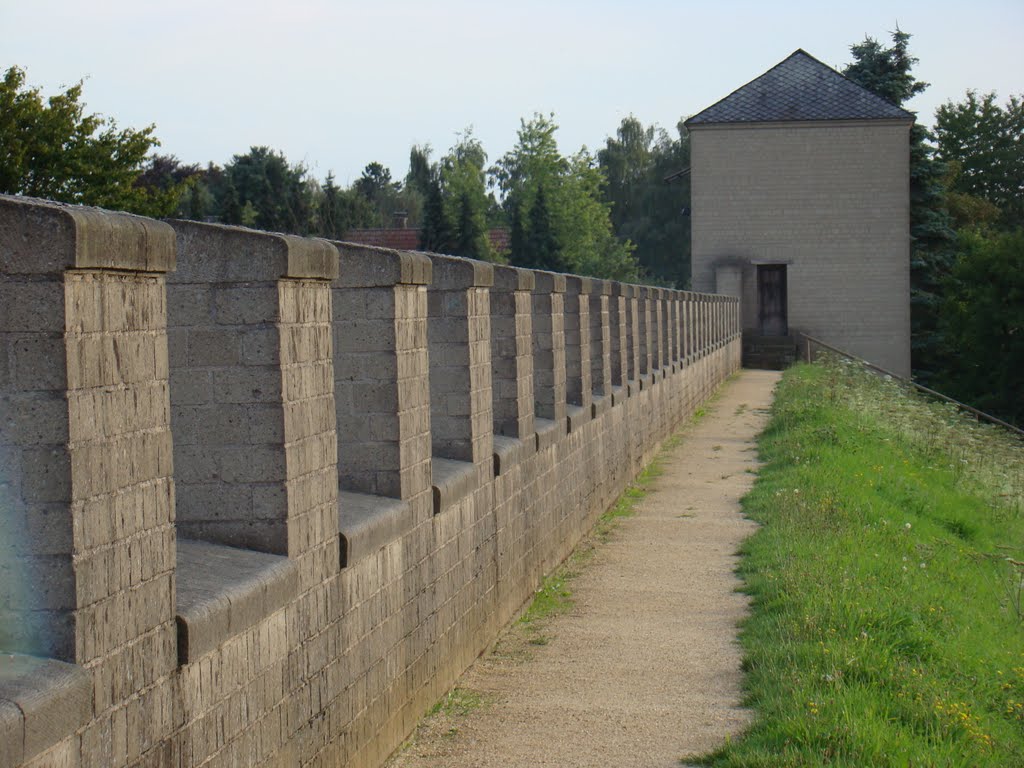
column 451, row 273
column 43, row 237
column 214, row 253
column 363, row 266
column 223, row 591
column 54, row 699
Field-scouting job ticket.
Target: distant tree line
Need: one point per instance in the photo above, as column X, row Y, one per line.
column 622, row 213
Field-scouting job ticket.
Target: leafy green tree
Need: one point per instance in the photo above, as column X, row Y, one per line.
column 573, row 196
column 375, row 182
column 984, row 143
column 541, row 249
column 463, row 180
column 329, row 210
column 887, row 72
column 436, row 234
column 983, row 317
column 54, row 150
column 388, row 198
column 272, row 194
column 647, row 210
column 420, row 172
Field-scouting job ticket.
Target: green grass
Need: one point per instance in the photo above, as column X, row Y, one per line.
column 885, row 628
column 458, row 702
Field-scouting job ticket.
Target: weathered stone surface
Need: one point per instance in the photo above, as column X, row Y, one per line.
column 220, row 253
column 43, row 237
column 285, row 386
column 364, row 266
column 367, row 523
column 41, row 702
column 223, row 591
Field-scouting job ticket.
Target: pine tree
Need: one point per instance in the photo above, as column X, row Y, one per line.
column 436, row 235
column 541, row 248
column 887, row 72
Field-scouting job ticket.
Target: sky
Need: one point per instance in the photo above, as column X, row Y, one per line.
column 336, row 84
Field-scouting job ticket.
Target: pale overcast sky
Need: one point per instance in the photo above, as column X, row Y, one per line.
column 337, row 84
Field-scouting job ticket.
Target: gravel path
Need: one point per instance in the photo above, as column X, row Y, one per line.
column 645, row 669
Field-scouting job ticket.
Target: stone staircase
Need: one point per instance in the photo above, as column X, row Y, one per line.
column 773, row 353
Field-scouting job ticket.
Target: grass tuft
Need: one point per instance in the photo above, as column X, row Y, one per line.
column 886, row 627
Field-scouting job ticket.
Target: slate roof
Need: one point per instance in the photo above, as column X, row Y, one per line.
column 799, row 88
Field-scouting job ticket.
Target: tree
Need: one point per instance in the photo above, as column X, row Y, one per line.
column 375, row 183
column 646, row 209
column 420, row 171
column 887, row 72
column 983, row 317
column 572, row 197
column 436, row 234
column 54, row 150
column 329, row 210
column 463, row 181
column 272, row 194
column 984, row 145
column 541, row 249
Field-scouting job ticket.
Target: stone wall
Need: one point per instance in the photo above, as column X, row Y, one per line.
column 263, row 498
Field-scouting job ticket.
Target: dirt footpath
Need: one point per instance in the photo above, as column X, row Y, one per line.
column 645, row 668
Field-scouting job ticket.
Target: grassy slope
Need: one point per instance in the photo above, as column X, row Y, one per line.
column 884, row 630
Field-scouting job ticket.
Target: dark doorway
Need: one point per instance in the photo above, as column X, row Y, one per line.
column 771, row 300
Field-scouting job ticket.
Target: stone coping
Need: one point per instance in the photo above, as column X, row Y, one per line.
column 600, row 404
column 42, row 701
column 220, row 253
column 44, row 237
column 548, row 432
column 223, row 591
column 452, row 480
column 367, row 523
column 368, row 266
column 619, row 393
column 509, row 451
column 575, row 417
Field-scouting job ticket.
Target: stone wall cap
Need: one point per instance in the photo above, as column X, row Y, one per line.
column 455, row 272
column 625, row 290
column 367, row 523
column 44, row 237
column 369, row 266
column 42, row 701
column 579, row 284
column 223, row 591
column 548, row 282
column 219, row 253
column 507, row 278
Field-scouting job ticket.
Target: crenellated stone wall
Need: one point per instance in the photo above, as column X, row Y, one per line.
column 263, row 498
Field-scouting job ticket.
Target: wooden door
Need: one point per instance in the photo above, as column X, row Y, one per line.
column 771, row 300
